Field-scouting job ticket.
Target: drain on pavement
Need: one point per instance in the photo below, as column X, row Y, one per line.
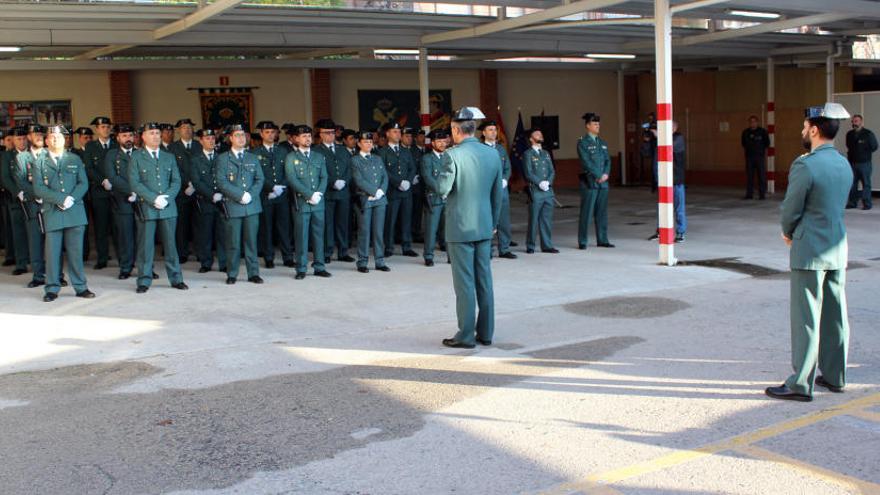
column 627, row 307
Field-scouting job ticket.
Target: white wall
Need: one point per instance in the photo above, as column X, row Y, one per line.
column 89, row 91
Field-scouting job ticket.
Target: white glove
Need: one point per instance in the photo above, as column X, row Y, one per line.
column 21, row 195
column 372, row 198
column 132, row 198
column 404, row 185
column 272, row 195
column 379, row 193
column 339, row 184
column 68, row 202
column 38, row 200
column 161, row 202
column 415, row 180
column 277, row 190
column 315, row 199
column 107, row 185
column 216, row 197
column 544, row 185
column 189, row 189
column 504, row 183
column 245, row 198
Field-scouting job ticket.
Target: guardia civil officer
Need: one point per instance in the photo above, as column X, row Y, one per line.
column 306, row 174
column 184, row 149
column 489, row 131
column 94, row 155
column 539, row 174
column 408, row 143
column 861, row 143
column 240, row 178
column 595, row 170
column 471, row 181
column 82, row 136
column 17, row 236
column 813, row 228
column 23, row 175
column 155, row 179
column 401, row 174
column 122, row 197
column 210, row 219
column 275, row 197
column 435, row 203
column 338, row 196
column 370, row 178
column 60, row 182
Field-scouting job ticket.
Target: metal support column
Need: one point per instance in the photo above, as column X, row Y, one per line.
column 424, row 102
column 621, row 126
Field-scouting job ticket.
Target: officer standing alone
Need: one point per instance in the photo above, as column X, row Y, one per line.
column 861, row 143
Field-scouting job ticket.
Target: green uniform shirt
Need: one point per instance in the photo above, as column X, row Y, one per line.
column 306, row 175
column 432, row 165
column 400, row 167
column 369, row 176
column 151, row 178
column 94, row 156
column 338, row 163
column 595, row 162
column 538, row 167
column 115, row 169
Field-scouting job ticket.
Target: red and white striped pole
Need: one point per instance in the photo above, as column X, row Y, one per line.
column 663, row 56
column 424, row 97
column 771, row 126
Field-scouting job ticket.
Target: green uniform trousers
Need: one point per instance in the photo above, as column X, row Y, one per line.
column 504, row 229
column 594, row 209
column 146, row 250
column 433, row 226
column 71, row 241
column 309, row 227
column 125, row 240
column 36, row 242
column 19, row 237
column 336, row 228
column 102, row 217
column 242, row 230
column 398, row 209
column 275, row 224
column 472, row 281
column 819, row 328
column 210, row 230
column 371, row 221
column 540, row 218
column 184, row 229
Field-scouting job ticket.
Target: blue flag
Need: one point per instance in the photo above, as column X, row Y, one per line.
column 520, row 145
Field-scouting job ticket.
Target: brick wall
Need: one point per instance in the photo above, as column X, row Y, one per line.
column 321, row 107
column 121, row 104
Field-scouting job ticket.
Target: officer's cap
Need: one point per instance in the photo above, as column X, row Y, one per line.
column 183, row 121
column 236, row 127
column 36, row 128
column 487, row 123
column 325, row 124
column 150, row 126
column 123, row 128
column 531, row 131
column 340, row 127
column 366, row 135
column 591, row 117
column 438, row 134
column 391, row 125
column 266, row 124
column 829, row 111
column 57, row 129
column 164, row 126
column 83, row 131
column 101, row 120
column 420, row 132
column 464, row 114
column 409, row 131
column 19, row 131
column 301, row 129
column 288, row 127
column 206, row 132
column 348, row 132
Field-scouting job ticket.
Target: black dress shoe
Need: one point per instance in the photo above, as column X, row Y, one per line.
column 483, row 342
column 8, row 262
column 141, row 289
column 679, row 238
column 514, row 244
column 530, row 251
column 204, row 269
column 255, row 279
column 49, row 297
column 35, row 283
column 289, row 264
column 19, row 271
column 347, row 259
column 457, row 344
column 221, row 268
column 389, row 254
column 654, row 236
column 785, row 393
column 270, row 264
column 582, row 247
column 323, row 273
column 550, row 251
column 748, row 197
column 155, row 276
column 429, row 262
column 327, row 260
column 822, row 382
column 124, row 275
column 507, row 255
column 383, row 268
column 606, row 245
column 100, row 265
column 180, row 286
column 86, row 294
column 363, row 269
column 230, row 280
column 299, row 276
column 410, row 253
column 866, row 207
column 63, row 283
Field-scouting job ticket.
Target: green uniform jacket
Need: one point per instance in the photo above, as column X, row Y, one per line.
column 150, row 178
column 537, row 167
column 306, row 176
column 369, row 175
column 234, row 177
column 7, row 161
column 812, row 212
column 595, row 162
column 184, row 160
column 338, row 165
column 400, row 167
column 55, row 181
column 203, row 177
column 432, row 165
column 471, row 181
column 23, row 175
column 94, row 156
column 273, row 168
column 115, row 169
column 506, row 169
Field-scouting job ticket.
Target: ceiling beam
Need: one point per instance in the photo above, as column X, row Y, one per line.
column 321, row 53
column 199, row 16
column 102, row 52
column 765, row 27
column 519, row 22
column 696, row 4
column 624, row 21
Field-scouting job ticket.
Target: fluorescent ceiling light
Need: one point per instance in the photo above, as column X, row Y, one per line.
column 625, row 56
column 579, row 60
column 396, row 52
column 10, row 48
column 752, row 13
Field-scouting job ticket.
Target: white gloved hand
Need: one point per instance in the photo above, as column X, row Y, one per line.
column 277, row 190
column 404, row 185
column 161, row 202
column 315, row 199
column 245, row 198
column 504, row 183
column 68, row 202
column 339, row 184
column 272, row 195
column 21, row 195
column 107, row 185
column 132, row 198
column 372, row 198
column 416, row 180
column 216, row 197
column 190, row 190
column 379, row 193
column 38, row 200
column 544, row 185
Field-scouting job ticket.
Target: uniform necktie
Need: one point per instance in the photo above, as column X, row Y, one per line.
column 332, row 149
column 156, row 155
column 394, row 148
column 106, row 146
column 210, row 156
column 238, row 156
column 128, row 153
column 307, row 155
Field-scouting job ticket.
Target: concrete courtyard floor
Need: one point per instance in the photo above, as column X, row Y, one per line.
column 609, row 374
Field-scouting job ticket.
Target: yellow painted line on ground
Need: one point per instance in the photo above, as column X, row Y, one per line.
column 869, row 415
column 853, row 484
column 680, row 457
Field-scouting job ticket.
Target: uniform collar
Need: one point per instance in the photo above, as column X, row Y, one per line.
column 365, row 155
